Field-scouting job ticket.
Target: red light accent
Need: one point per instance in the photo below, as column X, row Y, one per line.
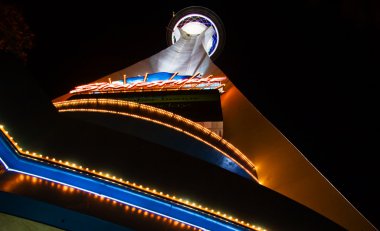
column 175, row 84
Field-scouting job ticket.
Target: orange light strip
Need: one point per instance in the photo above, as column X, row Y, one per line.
column 122, row 182
column 196, row 84
column 175, row 73
column 144, row 86
column 192, row 77
column 145, row 77
column 122, row 103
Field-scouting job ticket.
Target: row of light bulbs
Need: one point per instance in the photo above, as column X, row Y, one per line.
column 67, row 106
column 127, row 208
column 121, row 181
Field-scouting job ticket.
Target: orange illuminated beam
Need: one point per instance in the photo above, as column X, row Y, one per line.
column 176, row 73
column 192, row 77
column 145, row 77
column 196, row 84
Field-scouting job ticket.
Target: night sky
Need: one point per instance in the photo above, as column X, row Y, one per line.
column 310, row 67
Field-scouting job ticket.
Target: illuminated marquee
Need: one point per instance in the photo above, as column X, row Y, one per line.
column 170, row 84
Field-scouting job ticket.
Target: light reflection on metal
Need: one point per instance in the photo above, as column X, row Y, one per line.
column 86, row 172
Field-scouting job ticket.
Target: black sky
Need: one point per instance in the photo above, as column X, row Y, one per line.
column 310, row 67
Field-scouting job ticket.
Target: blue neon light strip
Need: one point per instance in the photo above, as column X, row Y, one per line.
column 135, row 79
column 13, row 161
column 158, row 76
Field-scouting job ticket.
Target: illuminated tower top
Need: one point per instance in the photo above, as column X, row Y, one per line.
column 195, row 20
